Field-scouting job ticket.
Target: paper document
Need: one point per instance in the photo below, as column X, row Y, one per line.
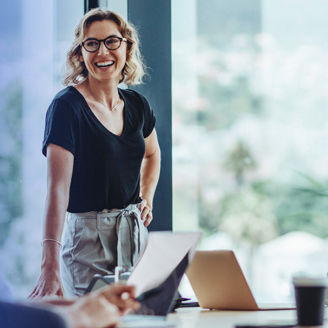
column 163, row 252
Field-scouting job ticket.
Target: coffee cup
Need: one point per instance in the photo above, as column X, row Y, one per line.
column 310, row 299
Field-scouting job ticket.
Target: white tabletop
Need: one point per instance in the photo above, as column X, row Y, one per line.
column 200, row 318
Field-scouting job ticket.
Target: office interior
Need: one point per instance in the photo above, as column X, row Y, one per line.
column 238, row 89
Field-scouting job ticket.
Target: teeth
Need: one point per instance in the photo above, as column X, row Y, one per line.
column 105, row 64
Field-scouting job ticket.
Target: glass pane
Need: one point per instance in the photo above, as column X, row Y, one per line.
column 35, row 36
column 250, row 129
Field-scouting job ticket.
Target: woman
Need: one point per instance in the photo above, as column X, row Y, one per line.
column 103, row 159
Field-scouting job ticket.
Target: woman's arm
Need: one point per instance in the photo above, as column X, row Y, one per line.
column 60, row 168
column 150, row 170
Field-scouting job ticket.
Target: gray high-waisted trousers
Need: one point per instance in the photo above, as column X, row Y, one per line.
column 96, row 242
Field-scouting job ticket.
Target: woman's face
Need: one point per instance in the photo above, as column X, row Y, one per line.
column 104, row 64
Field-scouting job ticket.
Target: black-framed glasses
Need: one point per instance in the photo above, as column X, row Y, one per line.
column 111, row 43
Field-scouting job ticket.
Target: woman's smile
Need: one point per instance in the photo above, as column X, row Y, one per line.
column 104, row 64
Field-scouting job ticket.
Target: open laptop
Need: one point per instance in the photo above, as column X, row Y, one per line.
column 219, row 283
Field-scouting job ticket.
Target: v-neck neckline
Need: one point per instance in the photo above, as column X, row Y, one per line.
column 99, row 124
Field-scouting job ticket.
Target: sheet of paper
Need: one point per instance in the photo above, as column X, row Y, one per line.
column 164, row 251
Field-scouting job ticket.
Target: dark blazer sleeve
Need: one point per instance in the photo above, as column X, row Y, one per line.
column 13, row 315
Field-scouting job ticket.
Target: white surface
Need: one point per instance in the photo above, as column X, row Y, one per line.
column 197, row 317
column 144, row 321
column 201, row 318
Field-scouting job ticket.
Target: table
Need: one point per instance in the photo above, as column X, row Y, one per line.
column 201, row 318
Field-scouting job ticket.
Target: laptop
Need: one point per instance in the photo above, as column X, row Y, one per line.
column 219, row 283
column 157, row 276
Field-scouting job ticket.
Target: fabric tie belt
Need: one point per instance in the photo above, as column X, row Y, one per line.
column 97, row 242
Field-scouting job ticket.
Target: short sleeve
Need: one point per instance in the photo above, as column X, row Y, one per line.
column 149, row 118
column 60, row 126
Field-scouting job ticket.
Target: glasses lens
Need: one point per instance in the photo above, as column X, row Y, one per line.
column 112, row 43
column 91, row 45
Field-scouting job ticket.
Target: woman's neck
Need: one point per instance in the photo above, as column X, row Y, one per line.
column 104, row 93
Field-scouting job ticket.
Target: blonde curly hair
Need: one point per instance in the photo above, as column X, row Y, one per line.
column 134, row 68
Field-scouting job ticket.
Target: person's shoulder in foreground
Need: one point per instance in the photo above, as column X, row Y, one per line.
column 97, row 309
column 16, row 315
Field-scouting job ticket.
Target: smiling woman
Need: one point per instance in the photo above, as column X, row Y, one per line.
column 103, row 159
column 134, row 67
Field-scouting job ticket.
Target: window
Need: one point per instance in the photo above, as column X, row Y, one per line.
column 35, row 36
column 250, row 134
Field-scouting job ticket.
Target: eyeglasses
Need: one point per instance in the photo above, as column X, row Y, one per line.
column 111, row 43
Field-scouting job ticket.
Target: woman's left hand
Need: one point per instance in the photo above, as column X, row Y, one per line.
column 146, row 212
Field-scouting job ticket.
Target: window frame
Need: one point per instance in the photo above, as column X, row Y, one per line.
column 155, row 36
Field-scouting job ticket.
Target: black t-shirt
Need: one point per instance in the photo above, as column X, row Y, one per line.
column 106, row 171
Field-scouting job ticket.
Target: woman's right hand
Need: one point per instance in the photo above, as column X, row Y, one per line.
column 60, row 167
column 49, row 284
